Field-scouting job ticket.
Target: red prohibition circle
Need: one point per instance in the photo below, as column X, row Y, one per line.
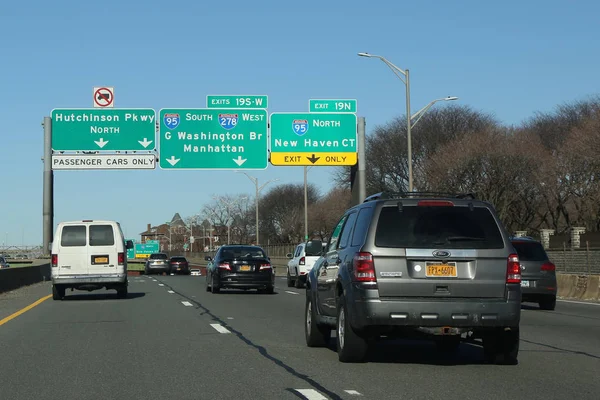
column 109, row 100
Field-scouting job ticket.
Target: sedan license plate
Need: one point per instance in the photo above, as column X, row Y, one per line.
column 441, row 270
column 524, row 283
column 245, row 268
column 101, row 260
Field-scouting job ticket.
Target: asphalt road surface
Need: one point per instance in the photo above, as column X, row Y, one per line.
column 170, row 339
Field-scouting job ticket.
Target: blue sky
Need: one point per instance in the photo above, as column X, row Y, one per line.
column 509, row 58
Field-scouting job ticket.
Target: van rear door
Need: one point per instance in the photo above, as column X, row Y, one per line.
column 102, row 254
column 72, row 255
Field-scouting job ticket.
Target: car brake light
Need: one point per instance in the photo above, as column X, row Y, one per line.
column 302, row 261
column 435, row 203
column 265, row 266
column 54, row 260
column 225, row 266
column 513, row 269
column 121, row 258
column 548, row 266
column 364, row 268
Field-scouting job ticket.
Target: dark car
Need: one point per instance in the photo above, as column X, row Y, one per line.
column 157, row 263
column 179, row 265
column 538, row 283
column 417, row 265
column 240, row 267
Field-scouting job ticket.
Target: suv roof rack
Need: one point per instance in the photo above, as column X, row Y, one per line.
column 400, row 195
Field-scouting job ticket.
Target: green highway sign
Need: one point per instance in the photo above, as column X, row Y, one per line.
column 313, row 139
column 246, row 101
column 130, row 252
column 213, row 138
column 330, row 106
column 93, row 129
column 143, row 250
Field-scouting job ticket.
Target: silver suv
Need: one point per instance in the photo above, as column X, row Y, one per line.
column 412, row 265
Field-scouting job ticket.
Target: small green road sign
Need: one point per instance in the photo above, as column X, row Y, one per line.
column 331, row 106
column 94, row 129
column 240, row 101
column 131, row 252
column 313, row 139
column 212, row 138
column 143, row 250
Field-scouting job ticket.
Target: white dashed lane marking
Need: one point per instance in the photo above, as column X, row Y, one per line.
column 170, row 291
column 287, row 291
column 353, row 392
column 220, row 328
column 187, row 304
column 161, row 284
column 311, row 394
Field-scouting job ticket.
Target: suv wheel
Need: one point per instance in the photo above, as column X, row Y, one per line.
column 290, row 281
column 548, row 303
column 316, row 335
column 350, row 346
column 122, row 292
column 501, row 346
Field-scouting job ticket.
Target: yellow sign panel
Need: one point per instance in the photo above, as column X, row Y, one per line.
column 142, row 255
column 324, row 159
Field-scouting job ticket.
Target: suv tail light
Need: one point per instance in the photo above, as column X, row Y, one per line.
column 121, row 258
column 513, row 269
column 364, row 268
column 302, row 261
column 225, row 266
column 435, row 203
column 548, row 267
column 265, row 266
column 54, row 260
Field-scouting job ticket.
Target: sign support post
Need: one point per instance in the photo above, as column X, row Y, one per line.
column 48, row 188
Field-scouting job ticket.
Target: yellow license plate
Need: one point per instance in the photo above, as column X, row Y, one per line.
column 245, row 268
column 441, row 270
column 101, row 260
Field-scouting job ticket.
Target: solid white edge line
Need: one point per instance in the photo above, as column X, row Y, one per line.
column 311, row 394
column 220, row 328
column 287, row 291
column 579, row 302
column 187, row 303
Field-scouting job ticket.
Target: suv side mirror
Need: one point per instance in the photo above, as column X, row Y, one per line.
column 129, row 244
column 289, row 255
column 207, row 258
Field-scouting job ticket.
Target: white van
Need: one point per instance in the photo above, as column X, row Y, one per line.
column 89, row 255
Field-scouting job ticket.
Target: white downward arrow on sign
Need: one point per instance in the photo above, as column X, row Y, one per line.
column 101, row 142
column 239, row 161
column 145, row 142
column 173, row 160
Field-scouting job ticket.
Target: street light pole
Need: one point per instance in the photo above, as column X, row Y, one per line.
column 305, row 204
column 404, row 76
column 257, row 194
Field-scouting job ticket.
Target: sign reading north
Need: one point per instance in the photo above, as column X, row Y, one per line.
column 213, row 138
column 92, row 129
column 313, row 139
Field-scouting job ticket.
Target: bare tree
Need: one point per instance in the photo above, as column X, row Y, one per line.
column 325, row 213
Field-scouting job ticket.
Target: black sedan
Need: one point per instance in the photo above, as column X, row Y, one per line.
column 240, row 267
column 179, row 265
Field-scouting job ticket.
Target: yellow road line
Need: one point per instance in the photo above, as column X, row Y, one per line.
column 21, row 311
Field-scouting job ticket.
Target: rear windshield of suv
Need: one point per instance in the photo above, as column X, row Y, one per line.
column 178, row 259
column 158, row 256
column 431, row 227
column 242, row 252
column 530, row 251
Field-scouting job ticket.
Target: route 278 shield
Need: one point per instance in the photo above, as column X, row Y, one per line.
column 228, row 121
column 171, row 121
column 300, row 126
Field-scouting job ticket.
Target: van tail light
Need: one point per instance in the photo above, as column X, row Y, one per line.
column 302, row 261
column 265, row 266
column 54, row 260
column 513, row 269
column 121, row 258
column 548, row 267
column 364, row 268
column 225, row 266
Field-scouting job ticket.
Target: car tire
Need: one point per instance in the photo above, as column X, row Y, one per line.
column 316, row 335
column 208, row 288
column 58, row 292
column 122, row 292
column 290, row 281
column 502, row 346
column 448, row 344
column 298, row 284
column 214, row 288
column 548, row 303
column 350, row 346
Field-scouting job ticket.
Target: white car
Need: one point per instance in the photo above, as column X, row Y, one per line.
column 301, row 262
column 89, row 255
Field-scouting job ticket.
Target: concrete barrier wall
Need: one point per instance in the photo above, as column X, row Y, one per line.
column 14, row 278
column 583, row 287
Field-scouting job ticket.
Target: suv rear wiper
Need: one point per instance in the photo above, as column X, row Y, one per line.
column 463, row 238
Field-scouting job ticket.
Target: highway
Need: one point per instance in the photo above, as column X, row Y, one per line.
column 170, row 339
